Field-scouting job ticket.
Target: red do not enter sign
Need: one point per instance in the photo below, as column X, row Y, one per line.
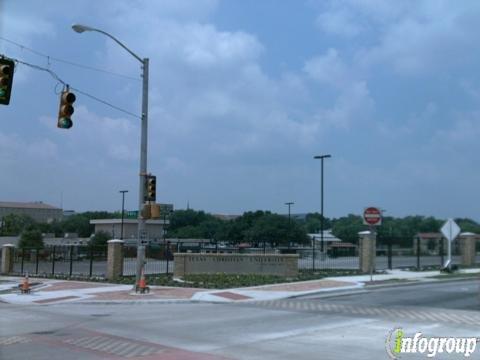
column 372, row 216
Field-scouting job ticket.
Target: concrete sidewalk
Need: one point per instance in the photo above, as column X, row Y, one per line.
column 61, row 291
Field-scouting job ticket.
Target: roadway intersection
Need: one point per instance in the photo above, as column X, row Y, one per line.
column 352, row 326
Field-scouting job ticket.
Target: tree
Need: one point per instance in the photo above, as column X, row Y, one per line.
column 191, row 224
column 468, row 225
column 13, row 224
column 31, row 238
column 313, row 221
column 80, row 223
column 277, row 230
column 181, row 218
column 347, row 228
column 100, row 238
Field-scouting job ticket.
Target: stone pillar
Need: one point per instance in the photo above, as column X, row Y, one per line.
column 467, row 248
column 115, row 259
column 7, row 258
column 367, row 250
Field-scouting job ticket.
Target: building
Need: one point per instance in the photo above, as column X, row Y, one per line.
column 328, row 238
column 38, row 211
column 154, row 228
column 67, row 213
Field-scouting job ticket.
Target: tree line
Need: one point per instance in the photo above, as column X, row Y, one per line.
column 253, row 227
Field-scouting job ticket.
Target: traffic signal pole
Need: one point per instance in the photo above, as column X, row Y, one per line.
column 142, row 234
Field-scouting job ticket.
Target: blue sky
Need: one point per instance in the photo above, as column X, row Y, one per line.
column 243, row 94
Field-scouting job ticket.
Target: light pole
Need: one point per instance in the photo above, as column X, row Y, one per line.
column 123, row 211
column 321, row 157
column 290, row 203
column 143, row 145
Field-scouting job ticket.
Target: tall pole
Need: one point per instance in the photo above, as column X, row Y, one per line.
column 289, row 221
column 143, row 172
column 123, row 212
column 143, row 144
column 321, row 157
column 289, row 204
column 321, row 211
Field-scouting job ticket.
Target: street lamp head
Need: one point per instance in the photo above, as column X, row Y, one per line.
column 81, row 28
column 322, row 156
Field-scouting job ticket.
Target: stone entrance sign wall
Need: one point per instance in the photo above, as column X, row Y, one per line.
column 275, row 264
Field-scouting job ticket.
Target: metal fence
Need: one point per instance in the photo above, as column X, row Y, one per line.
column 158, row 259
column 69, row 260
column 91, row 261
column 407, row 253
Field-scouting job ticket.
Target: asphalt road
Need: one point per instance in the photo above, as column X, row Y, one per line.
column 455, row 295
column 342, row 327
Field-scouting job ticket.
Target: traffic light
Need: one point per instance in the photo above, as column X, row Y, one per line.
column 66, row 110
column 151, row 188
column 7, row 67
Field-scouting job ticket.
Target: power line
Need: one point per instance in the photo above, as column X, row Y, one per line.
column 56, row 77
column 36, row 67
column 105, row 102
column 48, row 57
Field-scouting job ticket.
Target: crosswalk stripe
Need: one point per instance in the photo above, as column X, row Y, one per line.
column 123, row 345
column 126, row 351
column 396, row 313
column 111, row 346
column 87, row 342
column 14, row 340
column 452, row 318
column 142, row 350
column 102, row 344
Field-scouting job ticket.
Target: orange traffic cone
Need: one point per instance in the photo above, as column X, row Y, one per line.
column 25, row 286
column 142, row 284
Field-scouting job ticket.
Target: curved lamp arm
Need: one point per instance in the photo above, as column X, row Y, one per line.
column 81, row 28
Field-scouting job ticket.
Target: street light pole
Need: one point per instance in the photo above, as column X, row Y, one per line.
column 289, row 221
column 321, row 157
column 123, row 211
column 143, row 145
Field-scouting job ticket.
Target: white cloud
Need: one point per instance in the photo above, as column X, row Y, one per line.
column 42, row 150
column 354, row 105
column 340, row 22
column 413, row 37
column 328, row 68
column 98, row 137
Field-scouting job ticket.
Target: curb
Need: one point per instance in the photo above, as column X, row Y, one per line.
column 129, row 302
column 366, row 288
column 359, row 287
column 419, row 281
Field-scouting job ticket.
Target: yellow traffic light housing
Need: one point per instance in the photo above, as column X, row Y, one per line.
column 66, row 109
column 151, row 188
column 7, row 68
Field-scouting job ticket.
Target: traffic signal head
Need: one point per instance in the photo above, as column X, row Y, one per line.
column 151, row 188
column 6, row 80
column 66, row 110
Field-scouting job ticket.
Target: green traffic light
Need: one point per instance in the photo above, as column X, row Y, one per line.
column 65, row 123
column 3, row 93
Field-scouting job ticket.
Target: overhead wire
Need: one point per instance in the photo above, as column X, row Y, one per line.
column 64, row 83
column 52, row 58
